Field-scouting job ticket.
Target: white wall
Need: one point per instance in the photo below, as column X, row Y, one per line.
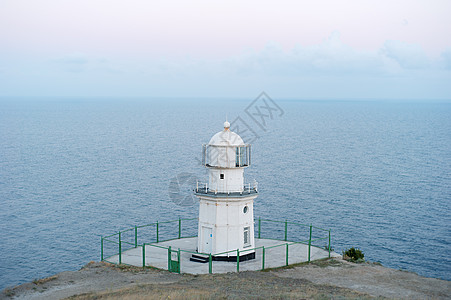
column 233, row 180
column 227, row 220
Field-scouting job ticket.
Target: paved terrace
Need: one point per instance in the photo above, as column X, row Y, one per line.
column 274, row 257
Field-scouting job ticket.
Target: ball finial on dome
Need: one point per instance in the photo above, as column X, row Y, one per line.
column 226, row 125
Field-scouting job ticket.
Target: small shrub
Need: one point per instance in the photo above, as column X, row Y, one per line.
column 354, row 255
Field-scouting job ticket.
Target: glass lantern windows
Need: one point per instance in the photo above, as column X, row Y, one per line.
column 226, row 156
column 243, row 155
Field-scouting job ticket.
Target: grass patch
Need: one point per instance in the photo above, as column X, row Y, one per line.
column 326, row 262
column 44, row 280
column 323, row 263
column 9, row 292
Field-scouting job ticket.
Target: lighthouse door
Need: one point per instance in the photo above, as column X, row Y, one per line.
column 207, row 237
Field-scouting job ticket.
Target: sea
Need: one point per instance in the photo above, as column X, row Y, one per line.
column 377, row 173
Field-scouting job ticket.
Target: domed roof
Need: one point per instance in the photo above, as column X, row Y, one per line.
column 226, row 137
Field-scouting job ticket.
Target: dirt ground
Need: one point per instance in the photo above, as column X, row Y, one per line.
column 329, row 279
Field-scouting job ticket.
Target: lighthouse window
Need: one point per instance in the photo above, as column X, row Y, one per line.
column 242, row 156
column 245, row 209
column 221, row 176
column 247, row 238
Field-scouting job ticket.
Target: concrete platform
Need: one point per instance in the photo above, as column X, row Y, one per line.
column 157, row 256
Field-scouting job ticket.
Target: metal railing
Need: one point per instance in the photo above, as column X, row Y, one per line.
column 287, row 232
column 153, row 233
column 247, row 188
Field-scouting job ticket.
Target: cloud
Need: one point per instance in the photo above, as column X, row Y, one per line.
column 332, row 57
column 79, row 62
column 74, row 62
column 73, row 59
column 446, row 59
column 408, row 56
column 329, row 69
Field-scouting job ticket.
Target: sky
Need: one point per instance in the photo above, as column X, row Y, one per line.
column 317, row 49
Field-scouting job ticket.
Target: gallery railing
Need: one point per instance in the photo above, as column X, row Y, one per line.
column 151, row 235
column 204, row 188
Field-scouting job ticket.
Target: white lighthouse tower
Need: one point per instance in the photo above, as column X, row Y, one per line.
column 226, row 214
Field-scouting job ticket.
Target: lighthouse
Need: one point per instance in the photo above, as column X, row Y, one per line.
column 226, row 210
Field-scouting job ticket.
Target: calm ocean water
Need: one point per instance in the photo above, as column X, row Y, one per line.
column 377, row 173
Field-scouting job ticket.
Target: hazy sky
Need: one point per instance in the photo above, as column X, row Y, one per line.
column 290, row 49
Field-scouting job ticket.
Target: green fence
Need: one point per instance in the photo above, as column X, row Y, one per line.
column 137, row 236
column 294, row 232
column 147, row 237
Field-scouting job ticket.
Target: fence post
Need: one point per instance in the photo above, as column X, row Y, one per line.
column 263, row 260
column 286, row 229
column 157, row 231
column 259, row 226
column 136, row 236
column 144, row 255
column 237, row 260
column 101, row 249
column 169, row 259
column 209, row 264
column 180, row 228
column 309, row 242
column 286, row 256
column 120, row 248
column 329, row 243
column 178, row 255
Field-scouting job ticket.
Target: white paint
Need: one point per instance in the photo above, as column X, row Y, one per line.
column 222, row 214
